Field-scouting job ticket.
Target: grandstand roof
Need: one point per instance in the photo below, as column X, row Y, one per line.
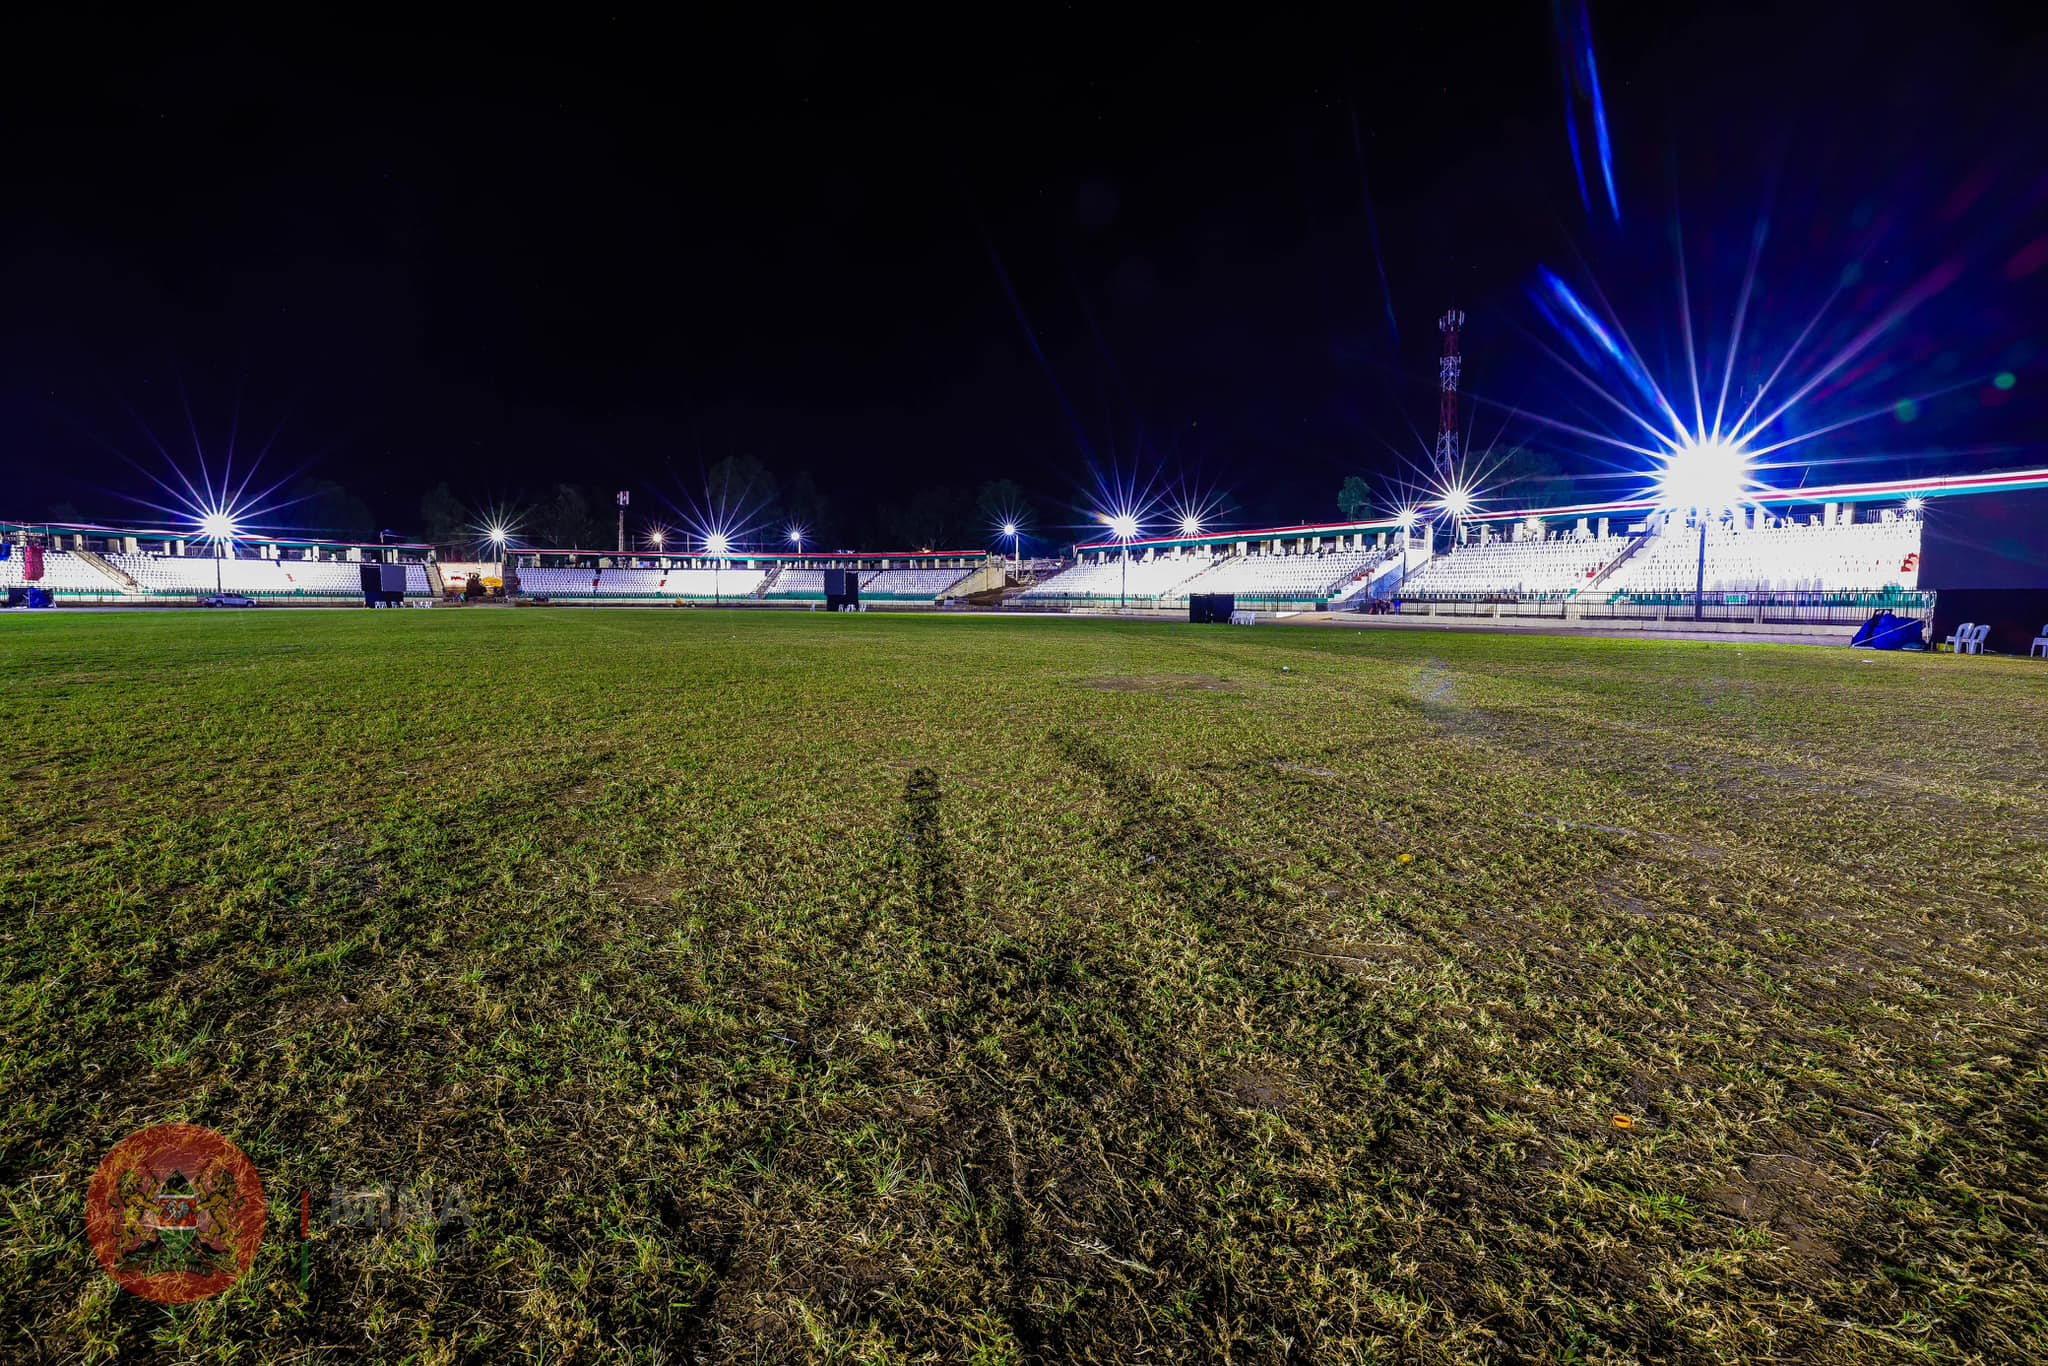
column 821, row 556
column 193, row 534
column 1946, row 486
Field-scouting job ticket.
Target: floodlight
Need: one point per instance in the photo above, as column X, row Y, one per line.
column 1123, row 526
column 1009, row 528
column 1457, row 500
column 1916, row 504
column 217, row 526
column 1191, row 525
column 718, row 543
column 497, row 534
column 657, row 537
column 1705, row 476
column 1405, row 519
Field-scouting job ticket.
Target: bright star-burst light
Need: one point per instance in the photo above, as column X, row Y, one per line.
column 1916, row 504
column 1719, row 408
column 220, row 503
column 1122, row 525
column 1190, row 525
column 1009, row 528
column 796, row 538
column 718, row 544
column 1706, row 477
column 1458, row 500
column 494, row 529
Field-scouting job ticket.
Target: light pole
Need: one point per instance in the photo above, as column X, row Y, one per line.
column 1124, row 526
column 1406, row 520
column 1699, row 582
column 219, row 528
column 718, row 544
column 1704, row 478
column 1016, row 556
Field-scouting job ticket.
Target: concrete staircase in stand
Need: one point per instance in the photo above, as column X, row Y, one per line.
column 120, row 577
column 1599, row 581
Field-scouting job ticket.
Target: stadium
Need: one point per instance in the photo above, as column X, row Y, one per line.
column 1017, row 967
column 1811, row 564
column 817, row 694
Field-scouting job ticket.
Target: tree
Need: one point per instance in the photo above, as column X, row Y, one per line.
column 1354, row 499
column 564, row 521
column 997, row 502
column 1533, row 479
column 809, row 508
column 442, row 515
column 933, row 519
column 739, row 492
column 326, row 507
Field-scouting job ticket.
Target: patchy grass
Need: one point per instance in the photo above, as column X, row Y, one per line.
column 794, row 987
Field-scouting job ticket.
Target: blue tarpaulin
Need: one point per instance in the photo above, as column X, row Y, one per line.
column 1887, row 632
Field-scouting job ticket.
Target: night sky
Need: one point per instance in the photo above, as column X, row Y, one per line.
column 616, row 250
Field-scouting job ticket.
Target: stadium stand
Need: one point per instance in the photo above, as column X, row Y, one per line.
column 1527, row 567
column 797, row 583
column 64, row 574
column 645, row 584
column 920, row 584
column 1781, row 556
column 1313, row 577
column 193, row 575
column 1104, row 581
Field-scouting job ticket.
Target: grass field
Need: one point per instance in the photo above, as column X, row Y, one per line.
column 790, row 987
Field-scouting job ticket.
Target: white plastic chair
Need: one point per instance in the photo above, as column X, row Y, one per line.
column 2040, row 645
column 1960, row 641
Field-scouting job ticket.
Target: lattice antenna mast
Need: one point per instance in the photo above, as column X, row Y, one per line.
column 1448, row 370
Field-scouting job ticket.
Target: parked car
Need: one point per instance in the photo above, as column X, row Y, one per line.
column 227, row 600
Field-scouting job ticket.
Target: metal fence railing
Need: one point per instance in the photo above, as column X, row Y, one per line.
column 1800, row 608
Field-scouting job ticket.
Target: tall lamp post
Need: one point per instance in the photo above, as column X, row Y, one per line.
column 219, row 528
column 1124, row 526
column 1699, row 578
column 1406, row 520
column 1016, row 558
column 1704, row 479
column 718, row 544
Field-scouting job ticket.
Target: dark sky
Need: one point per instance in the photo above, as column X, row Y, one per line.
column 613, row 250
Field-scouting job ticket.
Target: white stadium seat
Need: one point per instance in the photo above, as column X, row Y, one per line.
column 1781, row 557
column 1555, row 566
column 194, row 575
column 1168, row 579
column 645, row 584
column 1105, row 581
column 64, row 574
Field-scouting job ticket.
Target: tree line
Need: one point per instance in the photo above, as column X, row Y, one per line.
column 747, row 500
